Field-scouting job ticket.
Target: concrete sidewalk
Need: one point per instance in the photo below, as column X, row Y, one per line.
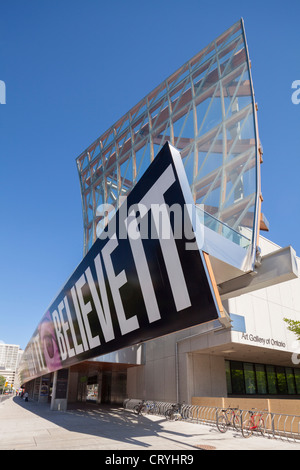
column 32, row 426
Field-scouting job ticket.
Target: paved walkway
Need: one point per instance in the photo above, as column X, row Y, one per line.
column 33, row 426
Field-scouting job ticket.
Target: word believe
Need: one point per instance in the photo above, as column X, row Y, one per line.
column 127, row 289
column 175, row 275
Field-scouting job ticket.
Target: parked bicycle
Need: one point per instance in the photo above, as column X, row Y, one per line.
column 145, row 407
column 229, row 417
column 175, row 412
column 140, row 408
column 152, row 408
column 254, row 423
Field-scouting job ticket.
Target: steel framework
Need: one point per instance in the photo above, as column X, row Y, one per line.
column 207, row 110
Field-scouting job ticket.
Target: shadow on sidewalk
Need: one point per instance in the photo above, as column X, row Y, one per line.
column 107, row 421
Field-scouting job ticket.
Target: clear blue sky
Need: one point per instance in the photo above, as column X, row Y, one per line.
column 72, row 68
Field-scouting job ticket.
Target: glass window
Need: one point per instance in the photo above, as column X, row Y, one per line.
column 297, row 379
column 271, row 378
column 290, row 380
column 261, row 379
column 237, row 378
column 281, row 380
column 245, row 378
column 211, row 100
column 250, row 384
column 228, row 377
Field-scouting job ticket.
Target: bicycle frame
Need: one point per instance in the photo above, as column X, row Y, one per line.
column 138, row 408
column 228, row 418
column 174, row 412
column 254, row 423
column 255, row 418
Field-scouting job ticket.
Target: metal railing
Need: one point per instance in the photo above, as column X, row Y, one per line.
column 276, row 426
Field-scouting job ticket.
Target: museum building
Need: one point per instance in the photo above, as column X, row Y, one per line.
column 150, row 318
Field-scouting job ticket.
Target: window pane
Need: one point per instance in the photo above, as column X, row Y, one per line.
column 297, row 379
column 281, row 380
column 290, row 380
column 271, row 378
column 228, row 377
column 237, row 376
column 261, row 379
column 249, row 378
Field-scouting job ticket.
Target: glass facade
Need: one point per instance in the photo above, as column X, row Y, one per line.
column 245, row 378
column 206, row 110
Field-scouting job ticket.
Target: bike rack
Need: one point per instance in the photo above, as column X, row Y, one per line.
column 277, row 426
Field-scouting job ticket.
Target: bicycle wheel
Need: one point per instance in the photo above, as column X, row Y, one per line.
column 152, row 409
column 177, row 416
column 236, row 422
column 222, row 423
column 247, row 428
column 136, row 409
column 144, row 409
column 261, row 426
column 169, row 414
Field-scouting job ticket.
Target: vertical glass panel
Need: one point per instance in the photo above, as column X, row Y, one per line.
column 281, row 380
column 237, row 376
column 290, row 381
column 142, row 160
column 297, row 380
column 188, row 162
column 249, row 379
column 271, row 378
column 228, row 377
column 183, row 127
column 213, row 115
column 261, row 379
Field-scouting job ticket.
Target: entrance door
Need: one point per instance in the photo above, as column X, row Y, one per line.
column 92, row 389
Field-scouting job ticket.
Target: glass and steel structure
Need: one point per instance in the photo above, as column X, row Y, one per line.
column 206, row 109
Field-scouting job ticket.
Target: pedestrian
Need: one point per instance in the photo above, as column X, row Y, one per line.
column 26, row 396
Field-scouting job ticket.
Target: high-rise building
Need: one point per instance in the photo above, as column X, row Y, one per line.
column 10, row 355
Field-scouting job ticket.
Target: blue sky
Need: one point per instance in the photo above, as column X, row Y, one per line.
column 71, row 69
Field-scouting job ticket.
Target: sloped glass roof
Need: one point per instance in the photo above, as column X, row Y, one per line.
column 206, row 110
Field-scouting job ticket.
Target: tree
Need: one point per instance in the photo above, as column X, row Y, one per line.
column 2, row 382
column 294, row 326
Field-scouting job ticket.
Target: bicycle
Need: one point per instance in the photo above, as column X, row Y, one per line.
column 152, row 408
column 174, row 413
column 229, row 417
column 145, row 407
column 140, row 408
column 254, row 423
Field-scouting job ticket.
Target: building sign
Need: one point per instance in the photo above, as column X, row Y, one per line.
column 144, row 277
column 262, row 341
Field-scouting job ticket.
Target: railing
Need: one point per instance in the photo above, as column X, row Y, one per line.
column 276, row 426
column 222, row 228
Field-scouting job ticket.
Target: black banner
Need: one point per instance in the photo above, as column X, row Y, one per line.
column 144, row 277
